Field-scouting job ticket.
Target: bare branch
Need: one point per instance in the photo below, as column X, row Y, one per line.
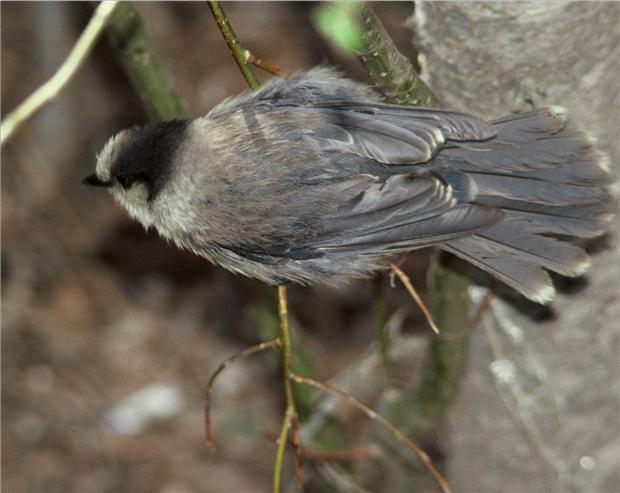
column 266, row 66
column 222, row 366
column 398, row 434
column 290, row 416
column 404, row 278
column 63, row 75
column 282, row 439
column 240, row 54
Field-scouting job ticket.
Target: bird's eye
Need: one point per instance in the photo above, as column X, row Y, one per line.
column 126, row 181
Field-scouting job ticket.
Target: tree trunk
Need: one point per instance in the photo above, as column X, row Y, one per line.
column 539, row 409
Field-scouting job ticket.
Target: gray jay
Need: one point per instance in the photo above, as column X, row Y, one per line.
column 313, row 179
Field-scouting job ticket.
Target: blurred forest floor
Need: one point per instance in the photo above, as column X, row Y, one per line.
column 94, row 309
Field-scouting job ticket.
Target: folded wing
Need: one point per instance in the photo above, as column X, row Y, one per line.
column 388, row 134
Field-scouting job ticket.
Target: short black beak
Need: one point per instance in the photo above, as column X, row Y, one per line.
column 94, row 181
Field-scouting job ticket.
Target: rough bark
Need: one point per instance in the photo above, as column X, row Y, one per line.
column 539, row 408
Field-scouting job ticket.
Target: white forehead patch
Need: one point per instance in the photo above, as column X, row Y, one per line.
column 109, row 153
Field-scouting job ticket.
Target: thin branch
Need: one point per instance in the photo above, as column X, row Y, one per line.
column 266, row 66
column 239, row 53
column 282, row 440
column 355, row 454
column 296, row 450
column 398, row 434
column 222, row 366
column 290, row 415
column 63, row 75
column 404, row 278
column 285, row 341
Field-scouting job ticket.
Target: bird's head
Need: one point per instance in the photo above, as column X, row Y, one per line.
column 136, row 165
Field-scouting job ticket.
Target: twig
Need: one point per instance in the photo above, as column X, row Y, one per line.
column 129, row 38
column 282, row 439
column 398, row 434
column 266, row 66
column 222, row 366
column 404, row 278
column 316, row 455
column 296, row 450
column 63, row 75
column 287, row 370
column 285, row 341
column 239, row 53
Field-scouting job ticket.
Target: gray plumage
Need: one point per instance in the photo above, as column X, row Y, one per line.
column 313, row 179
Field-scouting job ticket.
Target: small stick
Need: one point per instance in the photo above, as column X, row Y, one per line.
column 277, row 470
column 404, row 278
column 63, row 75
column 222, row 366
column 296, row 448
column 232, row 41
column 263, row 65
column 399, row 435
column 287, row 370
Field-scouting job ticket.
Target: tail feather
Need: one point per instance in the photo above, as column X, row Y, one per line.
column 560, row 224
column 518, row 273
column 519, row 238
column 551, row 185
column 532, row 190
column 521, row 126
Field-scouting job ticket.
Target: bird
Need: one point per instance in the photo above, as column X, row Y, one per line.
column 314, row 179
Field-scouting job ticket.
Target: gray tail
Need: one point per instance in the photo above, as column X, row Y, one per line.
column 552, row 186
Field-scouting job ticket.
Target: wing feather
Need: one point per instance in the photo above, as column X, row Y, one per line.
column 396, row 135
column 400, row 214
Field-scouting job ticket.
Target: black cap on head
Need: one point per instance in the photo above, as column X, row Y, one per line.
column 148, row 153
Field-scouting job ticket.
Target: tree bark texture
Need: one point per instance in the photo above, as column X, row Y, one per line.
column 539, row 409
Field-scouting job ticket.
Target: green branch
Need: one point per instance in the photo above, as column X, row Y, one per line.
column 131, row 41
column 355, row 30
column 241, row 55
column 391, row 72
